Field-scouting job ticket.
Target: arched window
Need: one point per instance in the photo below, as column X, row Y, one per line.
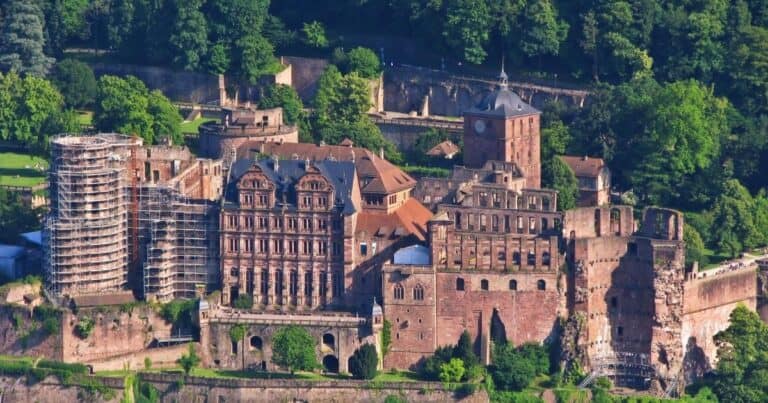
column 516, row 258
column 459, row 284
column 541, row 285
column 256, row 342
column 399, row 291
column 513, row 285
column 545, row 258
column 531, row 258
column 484, row 285
column 418, row 292
column 329, row 341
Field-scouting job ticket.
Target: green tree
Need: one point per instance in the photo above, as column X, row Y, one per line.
column 466, row 29
column 218, row 59
column 232, row 20
column 22, row 40
column 73, row 14
column 452, row 371
column 742, row 351
column 76, row 82
column 30, row 111
column 557, row 175
column 125, row 105
column 364, row 62
column 243, row 302
column 189, row 37
column 733, row 218
column 341, row 98
column 284, row 96
column 121, row 106
column 430, row 369
column 364, row 362
column 253, row 57
column 15, row 217
column 166, row 119
column 294, row 348
column 542, row 32
column 314, row 34
column 189, row 360
column 511, row 371
column 465, row 351
column 694, row 246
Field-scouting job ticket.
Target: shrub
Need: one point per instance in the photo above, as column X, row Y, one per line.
column 147, row 363
column 18, row 321
column 63, row 366
column 452, row 371
column 386, row 337
column 430, row 370
column 189, row 360
column 51, row 325
column 394, row 399
column 84, row 327
column 364, row 362
column 243, row 302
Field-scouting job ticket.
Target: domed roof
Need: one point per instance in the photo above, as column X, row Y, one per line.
column 503, row 102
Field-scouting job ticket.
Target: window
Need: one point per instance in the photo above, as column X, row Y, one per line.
column 418, row 292
column 263, row 222
column 541, row 285
column 278, row 246
column 531, row 258
column 248, row 222
column 232, row 221
column 263, row 200
column 306, row 247
column 363, row 249
column 322, row 201
column 306, row 201
column 322, row 248
column 545, row 259
column 516, row 258
column 459, row 284
column 399, row 292
column 234, row 272
column 293, row 247
column 233, row 245
column 249, row 245
column 293, row 223
column 293, row 283
column 614, row 302
column 513, row 285
column 322, row 224
column 306, row 223
column 337, row 248
column 392, row 199
column 484, row 285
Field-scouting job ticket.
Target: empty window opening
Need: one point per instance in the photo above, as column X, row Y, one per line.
column 329, row 341
column 256, row 343
column 459, row 284
column 513, row 285
column 418, row 292
column 541, row 285
column 484, row 285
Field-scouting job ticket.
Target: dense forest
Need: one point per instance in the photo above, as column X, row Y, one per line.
column 679, row 99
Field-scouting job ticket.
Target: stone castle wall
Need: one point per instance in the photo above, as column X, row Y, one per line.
column 707, row 306
column 114, row 334
column 196, row 389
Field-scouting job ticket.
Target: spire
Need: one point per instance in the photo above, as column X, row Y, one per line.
column 503, row 76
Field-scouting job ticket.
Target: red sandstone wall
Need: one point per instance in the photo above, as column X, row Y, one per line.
column 528, row 314
column 707, row 305
column 590, row 222
column 115, row 333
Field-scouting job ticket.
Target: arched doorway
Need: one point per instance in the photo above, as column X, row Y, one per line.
column 329, row 341
column 256, row 343
column 331, row 364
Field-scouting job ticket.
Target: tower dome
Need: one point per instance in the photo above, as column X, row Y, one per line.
column 503, row 101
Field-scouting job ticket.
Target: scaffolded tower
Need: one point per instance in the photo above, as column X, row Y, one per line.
column 179, row 239
column 86, row 232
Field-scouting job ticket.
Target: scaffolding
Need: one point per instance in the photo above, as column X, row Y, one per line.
column 179, row 243
column 86, row 233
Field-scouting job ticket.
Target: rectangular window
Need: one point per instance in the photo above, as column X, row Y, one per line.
column 263, row 200
column 248, row 222
column 263, row 246
column 307, row 201
column 278, row 222
column 248, row 245
column 363, row 249
column 322, row 224
column 263, row 222
column 293, row 223
column 306, row 224
column 322, row 201
column 278, row 246
column 322, row 248
column 233, row 245
column 293, row 247
column 307, row 247
column 232, row 221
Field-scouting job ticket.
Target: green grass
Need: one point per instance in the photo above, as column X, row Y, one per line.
column 85, row 118
column 192, row 126
column 403, row 376
column 19, row 169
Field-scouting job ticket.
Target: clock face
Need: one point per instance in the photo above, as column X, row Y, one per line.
column 479, row 126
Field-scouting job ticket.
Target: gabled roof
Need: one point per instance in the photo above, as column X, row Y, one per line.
column 286, row 173
column 376, row 174
column 446, row 148
column 584, row 166
column 410, row 219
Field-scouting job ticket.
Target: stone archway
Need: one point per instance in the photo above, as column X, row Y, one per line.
column 331, row 364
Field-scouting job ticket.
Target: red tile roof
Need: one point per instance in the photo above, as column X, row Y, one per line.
column 410, row 218
column 584, row 166
column 446, row 148
column 376, row 174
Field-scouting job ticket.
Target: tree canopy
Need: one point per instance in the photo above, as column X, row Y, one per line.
column 125, row 105
column 364, row 361
column 22, row 40
column 294, row 348
column 76, row 82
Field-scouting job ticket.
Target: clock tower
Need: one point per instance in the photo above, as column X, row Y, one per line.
column 504, row 128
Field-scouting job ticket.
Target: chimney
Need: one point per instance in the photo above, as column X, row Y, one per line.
column 584, row 158
column 381, row 152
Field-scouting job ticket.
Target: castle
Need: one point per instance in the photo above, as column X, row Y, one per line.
column 340, row 241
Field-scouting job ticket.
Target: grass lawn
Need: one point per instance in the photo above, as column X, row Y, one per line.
column 404, row 376
column 191, row 127
column 19, row 169
column 85, row 118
